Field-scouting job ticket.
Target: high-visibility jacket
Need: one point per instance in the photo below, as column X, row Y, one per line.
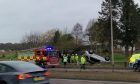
column 72, row 57
column 65, row 59
column 76, row 57
column 44, row 58
column 83, row 60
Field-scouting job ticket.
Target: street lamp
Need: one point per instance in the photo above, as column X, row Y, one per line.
column 112, row 50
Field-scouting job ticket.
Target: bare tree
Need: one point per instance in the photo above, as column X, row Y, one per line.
column 47, row 37
column 77, row 32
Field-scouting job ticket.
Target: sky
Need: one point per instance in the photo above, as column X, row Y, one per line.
column 20, row 17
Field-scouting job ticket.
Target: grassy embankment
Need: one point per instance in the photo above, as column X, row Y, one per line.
column 92, row 75
column 8, row 56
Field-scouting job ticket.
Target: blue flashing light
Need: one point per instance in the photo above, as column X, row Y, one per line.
column 49, row 47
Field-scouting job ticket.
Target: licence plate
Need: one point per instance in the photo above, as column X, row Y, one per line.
column 39, row 78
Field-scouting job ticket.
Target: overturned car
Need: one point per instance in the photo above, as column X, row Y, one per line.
column 94, row 58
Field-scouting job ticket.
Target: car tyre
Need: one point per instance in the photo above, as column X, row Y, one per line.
column 107, row 58
column 135, row 66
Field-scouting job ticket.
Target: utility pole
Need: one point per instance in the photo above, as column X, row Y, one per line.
column 112, row 49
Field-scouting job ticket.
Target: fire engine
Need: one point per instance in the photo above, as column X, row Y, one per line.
column 48, row 56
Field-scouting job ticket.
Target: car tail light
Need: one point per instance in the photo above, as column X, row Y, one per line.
column 28, row 75
column 21, row 76
column 47, row 73
column 24, row 76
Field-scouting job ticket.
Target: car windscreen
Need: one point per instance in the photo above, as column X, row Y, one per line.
column 136, row 52
column 38, row 53
column 53, row 53
column 27, row 67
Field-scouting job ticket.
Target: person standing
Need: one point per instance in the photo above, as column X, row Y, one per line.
column 77, row 59
column 72, row 58
column 65, row 60
column 83, row 62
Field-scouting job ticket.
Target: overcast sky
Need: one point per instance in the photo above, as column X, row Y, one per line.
column 18, row 17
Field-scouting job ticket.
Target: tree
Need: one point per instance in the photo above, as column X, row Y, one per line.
column 138, row 21
column 36, row 39
column 66, row 42
column 32, row 39
column 129, row 24
column 56, row 37
column 93, row 32
column 77, row 32
column 104, row 22
column 47, row 37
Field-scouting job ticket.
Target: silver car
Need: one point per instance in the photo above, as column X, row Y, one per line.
column 20, row 72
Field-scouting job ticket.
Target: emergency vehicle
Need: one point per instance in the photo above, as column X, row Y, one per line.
column 48, row 56
column 134, row 62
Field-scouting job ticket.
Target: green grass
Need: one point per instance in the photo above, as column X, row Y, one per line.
column 120, row 58
column 8, row 56
column 97, row 75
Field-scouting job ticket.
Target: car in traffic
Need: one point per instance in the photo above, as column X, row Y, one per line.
column 21, row 72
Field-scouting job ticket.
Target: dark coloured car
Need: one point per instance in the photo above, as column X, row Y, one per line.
column 20, row 72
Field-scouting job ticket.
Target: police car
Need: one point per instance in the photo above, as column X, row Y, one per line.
column 134, row 61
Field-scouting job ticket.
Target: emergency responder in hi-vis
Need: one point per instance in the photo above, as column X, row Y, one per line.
column 83, row 62
column 72, row 58
column 77, row 59
column 44, row 62
column 65, row 60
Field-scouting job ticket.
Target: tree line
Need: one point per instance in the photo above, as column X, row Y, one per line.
column 126, row 24
column 60, row 39
column 126, row 29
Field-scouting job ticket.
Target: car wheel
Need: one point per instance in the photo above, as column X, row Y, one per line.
column 107, row 58
column 135, row 66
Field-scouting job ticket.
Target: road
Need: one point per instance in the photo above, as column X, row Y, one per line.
column 69, row 81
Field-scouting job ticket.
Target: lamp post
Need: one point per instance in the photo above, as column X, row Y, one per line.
column 112, row 50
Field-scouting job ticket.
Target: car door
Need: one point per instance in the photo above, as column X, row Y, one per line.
column 6, row 74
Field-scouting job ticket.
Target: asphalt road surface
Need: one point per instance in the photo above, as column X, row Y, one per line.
column 69, row 81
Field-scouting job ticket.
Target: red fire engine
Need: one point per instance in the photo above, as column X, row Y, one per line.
column 48, row 56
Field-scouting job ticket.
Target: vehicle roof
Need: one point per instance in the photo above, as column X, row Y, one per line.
column 12, row 62
column 22, row 66
column 46, row 50
column 9, row 62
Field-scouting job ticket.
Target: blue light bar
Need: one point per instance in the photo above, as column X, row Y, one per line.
column 49, row 47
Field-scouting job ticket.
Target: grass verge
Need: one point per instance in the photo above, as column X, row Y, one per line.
column 93, row 75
